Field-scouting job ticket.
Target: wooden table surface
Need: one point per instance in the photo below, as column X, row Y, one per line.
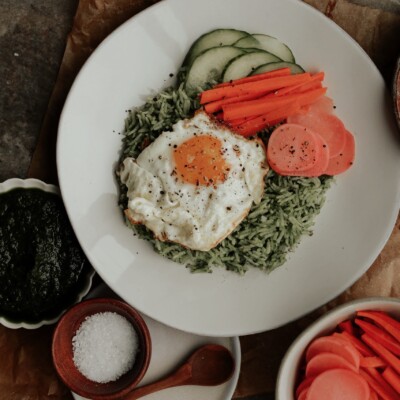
column 32, row 41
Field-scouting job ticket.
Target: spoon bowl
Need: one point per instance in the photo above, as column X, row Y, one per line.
column 209, row 365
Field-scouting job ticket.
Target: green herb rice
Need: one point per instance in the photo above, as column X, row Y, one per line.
column 271, row 230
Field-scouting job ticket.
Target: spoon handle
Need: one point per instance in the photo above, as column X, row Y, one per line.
column 178, row 378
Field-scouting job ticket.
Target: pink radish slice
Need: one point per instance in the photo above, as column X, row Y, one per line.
column 345, row 159
column 330, row 127
column 292, row 148
column 333, row 344
column 322, row 105
column 321, row 163
column 338, row 384
column 325, row 361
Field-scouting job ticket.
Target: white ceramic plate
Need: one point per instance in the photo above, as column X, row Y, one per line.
column 169, row 348
column 349, row 233
column 31, row 183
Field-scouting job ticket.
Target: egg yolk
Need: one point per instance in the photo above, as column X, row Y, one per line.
column 200, row 161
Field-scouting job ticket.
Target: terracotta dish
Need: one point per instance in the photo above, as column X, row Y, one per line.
column 63, row 354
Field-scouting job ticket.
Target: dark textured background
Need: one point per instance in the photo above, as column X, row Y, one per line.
column 32, row 39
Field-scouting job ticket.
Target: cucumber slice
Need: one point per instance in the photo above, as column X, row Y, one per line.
column 294, row 68
column 245, row 64
column 208, row 67
column 267, row 43
column 218, row 37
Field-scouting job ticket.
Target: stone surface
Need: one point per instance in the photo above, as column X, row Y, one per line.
column 32, row 39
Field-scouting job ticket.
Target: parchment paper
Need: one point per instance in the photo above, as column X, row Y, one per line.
column 25, row 368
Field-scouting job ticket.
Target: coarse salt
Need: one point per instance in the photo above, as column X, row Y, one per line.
column 105, row 347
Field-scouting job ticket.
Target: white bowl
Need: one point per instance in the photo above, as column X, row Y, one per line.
column 285, row 387
column 15, row 183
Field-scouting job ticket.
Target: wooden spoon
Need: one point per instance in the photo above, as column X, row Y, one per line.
column 209, row 365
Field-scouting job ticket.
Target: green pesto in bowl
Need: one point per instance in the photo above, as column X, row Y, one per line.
column 42, row 267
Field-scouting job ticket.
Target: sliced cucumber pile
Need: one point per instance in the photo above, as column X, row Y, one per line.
column 208, row 66
column 228, row 54
column 267, row 43
column 218, row 37
column 245, row 64
column 294, row 68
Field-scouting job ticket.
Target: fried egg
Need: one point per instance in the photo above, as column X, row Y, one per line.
column 194, row 184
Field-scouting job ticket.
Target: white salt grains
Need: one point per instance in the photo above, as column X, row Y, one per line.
column 105, row 347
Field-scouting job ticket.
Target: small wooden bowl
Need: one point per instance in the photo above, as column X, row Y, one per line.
column 63, row 353
column 396, row 93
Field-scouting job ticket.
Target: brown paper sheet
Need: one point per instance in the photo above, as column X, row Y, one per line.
column 26, row 371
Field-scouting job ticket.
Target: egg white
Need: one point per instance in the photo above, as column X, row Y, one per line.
column 197, row 217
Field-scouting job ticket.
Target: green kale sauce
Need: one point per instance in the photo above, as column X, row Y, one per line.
column 41, row 262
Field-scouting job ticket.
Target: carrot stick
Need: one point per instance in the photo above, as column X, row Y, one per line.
column 301, row 87
column 255, row 107
column 252, row 87
column 372, row 362
column 373, row 395
column 387, row 318
column 392, row 378
column 306, row 87
column 314, row 83
column 378, row 377
column 219, row 116
column 379, row 385
column 217, row 105
column 258, row 77
column 347, row 326
column 358, row 344
column 239, row 121
column 380, row 336
column 389, row 324
column 386, row 355
column 265, row 105
column 255, row 125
